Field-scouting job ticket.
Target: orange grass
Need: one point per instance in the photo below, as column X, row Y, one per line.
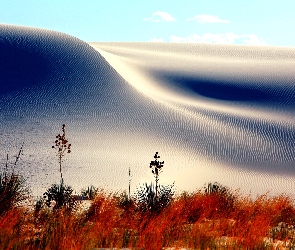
column 193, row 221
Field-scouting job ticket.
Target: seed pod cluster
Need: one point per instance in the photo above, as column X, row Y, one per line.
column 61, row 144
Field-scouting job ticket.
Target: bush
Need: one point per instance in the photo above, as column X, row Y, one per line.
column 61, row 195
column 223, row 196
column 12, row 191
column 89, row 193
column 147, row 201
column 215, row 188
column 124, row 201
column 12, row 186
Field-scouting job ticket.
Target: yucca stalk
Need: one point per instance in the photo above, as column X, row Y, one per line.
column 156, row 169
column 62, row 146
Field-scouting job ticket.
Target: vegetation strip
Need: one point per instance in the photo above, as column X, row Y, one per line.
column 213, row 217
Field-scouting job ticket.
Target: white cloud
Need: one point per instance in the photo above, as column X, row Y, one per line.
column 252, row 39
column 207, row 19
column 227, row 38
column 160, row 16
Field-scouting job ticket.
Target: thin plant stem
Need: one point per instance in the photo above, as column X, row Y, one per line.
column 18, row 157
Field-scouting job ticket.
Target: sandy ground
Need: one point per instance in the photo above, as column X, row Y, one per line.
column 214, row 112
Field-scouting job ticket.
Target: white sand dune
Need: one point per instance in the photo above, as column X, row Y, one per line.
column 214, row 112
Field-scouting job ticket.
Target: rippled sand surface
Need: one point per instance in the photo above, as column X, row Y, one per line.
column 221, row 113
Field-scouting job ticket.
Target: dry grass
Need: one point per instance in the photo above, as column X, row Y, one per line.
column 200, row 220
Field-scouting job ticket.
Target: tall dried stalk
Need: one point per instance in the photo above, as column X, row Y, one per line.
column 63, row 147
column 156, row 169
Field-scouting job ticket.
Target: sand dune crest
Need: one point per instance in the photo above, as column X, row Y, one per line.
column 214, row 112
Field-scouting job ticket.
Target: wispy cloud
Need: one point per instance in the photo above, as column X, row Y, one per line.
column 253, row 39
column 207, row 19
column 160, row 16
column 227, row 38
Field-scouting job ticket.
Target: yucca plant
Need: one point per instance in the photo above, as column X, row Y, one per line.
column 89, row 193
column 156, row 167
column 60, row 194
column 151, row 197
column 63, row 147
column 147, row 201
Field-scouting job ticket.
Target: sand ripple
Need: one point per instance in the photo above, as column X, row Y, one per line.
column 214, row 112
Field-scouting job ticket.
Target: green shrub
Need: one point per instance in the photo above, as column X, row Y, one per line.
column 215, row 188
column 89, row 193
column 61, row 195
column 147, row 201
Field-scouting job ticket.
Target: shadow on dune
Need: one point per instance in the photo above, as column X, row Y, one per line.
column 30, row 57
column 231, row 90
column 80, row 88
column 19, row 67
column 222, row 90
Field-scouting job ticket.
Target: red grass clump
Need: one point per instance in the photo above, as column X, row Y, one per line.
column 199, row 220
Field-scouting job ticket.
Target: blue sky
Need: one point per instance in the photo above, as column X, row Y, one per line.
column 269, row 22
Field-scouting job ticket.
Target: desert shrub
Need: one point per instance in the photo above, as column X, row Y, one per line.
column 124, row 201
column 215, row 188
column 13, row 189
column 222, row 196
column 147, row 201
column 103, row 212
column 61, row 195
column 89, row 193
